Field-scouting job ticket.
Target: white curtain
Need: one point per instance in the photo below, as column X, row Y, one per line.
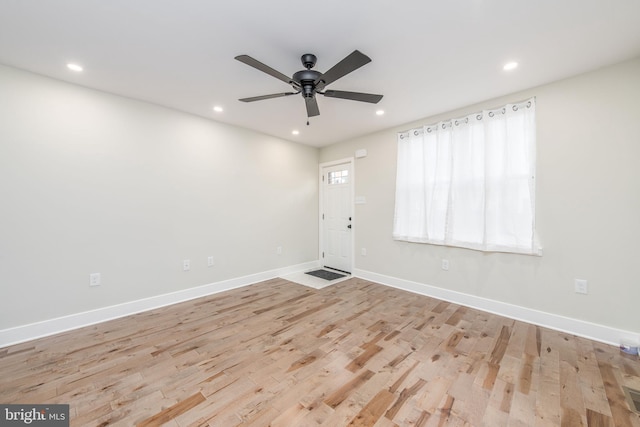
column 470, row 182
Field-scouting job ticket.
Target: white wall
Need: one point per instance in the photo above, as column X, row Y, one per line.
column 92, row 182
column 588, row 207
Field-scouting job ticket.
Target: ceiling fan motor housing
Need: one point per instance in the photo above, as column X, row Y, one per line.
column 306, row 79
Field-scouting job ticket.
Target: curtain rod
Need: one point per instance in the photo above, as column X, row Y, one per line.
column 479, row 115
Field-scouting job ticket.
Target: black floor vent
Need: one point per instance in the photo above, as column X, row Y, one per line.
column 633, row 397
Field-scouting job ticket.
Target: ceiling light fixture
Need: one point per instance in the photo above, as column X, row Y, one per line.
column 218, row 109
column 295, row 132
column 74, row 67
column 510, row 66
column 379, row 112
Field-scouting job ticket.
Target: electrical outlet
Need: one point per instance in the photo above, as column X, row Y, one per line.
column 363, row 251
column 445, row 264
column 209, row 261
column 581, row 286
column 186, row 265
column 94, row 279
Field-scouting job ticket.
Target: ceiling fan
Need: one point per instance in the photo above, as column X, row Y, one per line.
column 310, row 82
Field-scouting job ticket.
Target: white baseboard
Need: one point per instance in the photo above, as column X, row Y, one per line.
column 593, row 331
column 580, row 328
column 78, row 320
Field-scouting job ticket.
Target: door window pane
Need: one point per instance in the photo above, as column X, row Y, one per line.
column 339, row 177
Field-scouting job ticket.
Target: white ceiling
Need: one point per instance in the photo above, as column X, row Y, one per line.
column 427, row 56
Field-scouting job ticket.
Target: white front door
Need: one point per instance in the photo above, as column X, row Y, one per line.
column 336, row 216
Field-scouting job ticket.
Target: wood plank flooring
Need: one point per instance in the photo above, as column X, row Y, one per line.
column 354, row 354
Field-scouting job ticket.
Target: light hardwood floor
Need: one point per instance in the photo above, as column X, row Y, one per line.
column 353, row 354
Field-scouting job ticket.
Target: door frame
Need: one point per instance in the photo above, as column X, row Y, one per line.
column 346, row 161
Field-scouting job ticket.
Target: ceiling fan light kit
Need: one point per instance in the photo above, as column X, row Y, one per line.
column 310, row 82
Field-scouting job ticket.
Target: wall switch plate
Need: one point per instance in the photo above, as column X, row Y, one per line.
column 363, row 251
column 186, row 265
column 445, row 264
column 94, row 279
column 279, row 250
column 209, row 261
column 581, row 286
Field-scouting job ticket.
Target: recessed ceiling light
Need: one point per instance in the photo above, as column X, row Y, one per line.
column 510, row 66
column 74, row 67
column 295, row 132
column 380, row 112
column 218, row 109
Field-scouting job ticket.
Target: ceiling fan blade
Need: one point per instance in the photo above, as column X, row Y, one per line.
column 353, row 61
column 264, row 68
column 354, row 96
column 312, row 107
column 274, row 95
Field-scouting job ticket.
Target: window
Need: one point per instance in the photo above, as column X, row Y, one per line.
column 470, row 182
column 339, row 177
